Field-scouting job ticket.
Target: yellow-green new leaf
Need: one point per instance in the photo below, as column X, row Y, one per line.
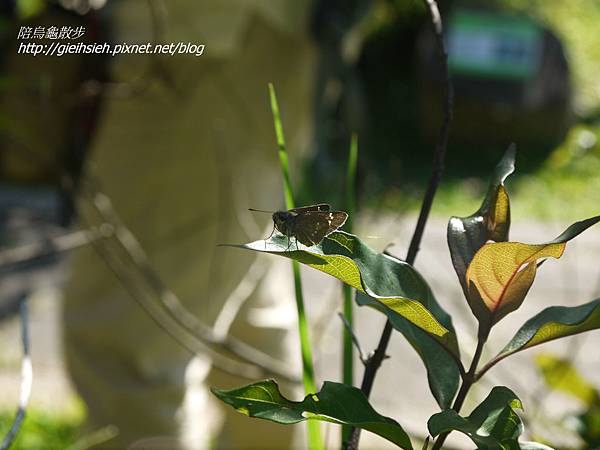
column 501, row 273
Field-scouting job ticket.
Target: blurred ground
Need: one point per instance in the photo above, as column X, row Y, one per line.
column 399, row 391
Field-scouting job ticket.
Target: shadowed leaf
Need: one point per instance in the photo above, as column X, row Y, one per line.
column 443, row 372
column 336, row 403
column 492, row 425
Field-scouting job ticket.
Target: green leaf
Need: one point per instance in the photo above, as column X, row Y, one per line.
column 492, row 425
column 442, row 369
column 443, row 372
column 336, row 403
column 552, row 323
column 501, row 273
column 491, row 222
column 390, row 281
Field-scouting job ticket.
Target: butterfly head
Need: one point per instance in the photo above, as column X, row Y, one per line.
column 281, row 219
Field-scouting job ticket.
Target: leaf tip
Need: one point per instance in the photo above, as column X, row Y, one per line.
column 219, row 393
column 508, row 160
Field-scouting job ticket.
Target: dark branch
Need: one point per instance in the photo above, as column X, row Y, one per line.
column 26, row 380
column 442, row 143
column 468, row 380
column 434, row 181
column 425, row 443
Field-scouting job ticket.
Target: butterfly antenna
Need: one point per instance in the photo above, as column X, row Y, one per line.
column 260, row 210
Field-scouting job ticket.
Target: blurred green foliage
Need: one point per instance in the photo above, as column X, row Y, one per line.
column 42, row 430
column 562, row 376
column 576, row 23
column 29, row 8
column 566, row 185
column 563, row 185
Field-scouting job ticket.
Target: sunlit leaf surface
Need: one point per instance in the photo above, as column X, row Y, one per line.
column 553, row 323
column 392, row 282
column 443, row 372
column 491, row 222
column 501, row 273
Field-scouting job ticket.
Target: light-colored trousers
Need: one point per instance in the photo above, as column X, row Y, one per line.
column 182, row 161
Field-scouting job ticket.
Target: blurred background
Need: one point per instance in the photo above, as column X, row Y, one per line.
column 524, row 71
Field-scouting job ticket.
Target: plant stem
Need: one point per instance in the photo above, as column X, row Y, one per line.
column 308, row 376
column 283, row 156
column 438, row 168
column 348, row 350
column 442, row 143
column 348, row 354
column 468, row 381
column 26, row 380
column 315, row 441
column 348, row 372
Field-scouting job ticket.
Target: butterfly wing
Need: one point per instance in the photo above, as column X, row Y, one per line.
column 335, row 220
column 311, row 208
column 311, row 227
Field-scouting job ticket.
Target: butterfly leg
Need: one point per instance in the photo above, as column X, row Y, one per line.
column 269, row 236
column 289, row 236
